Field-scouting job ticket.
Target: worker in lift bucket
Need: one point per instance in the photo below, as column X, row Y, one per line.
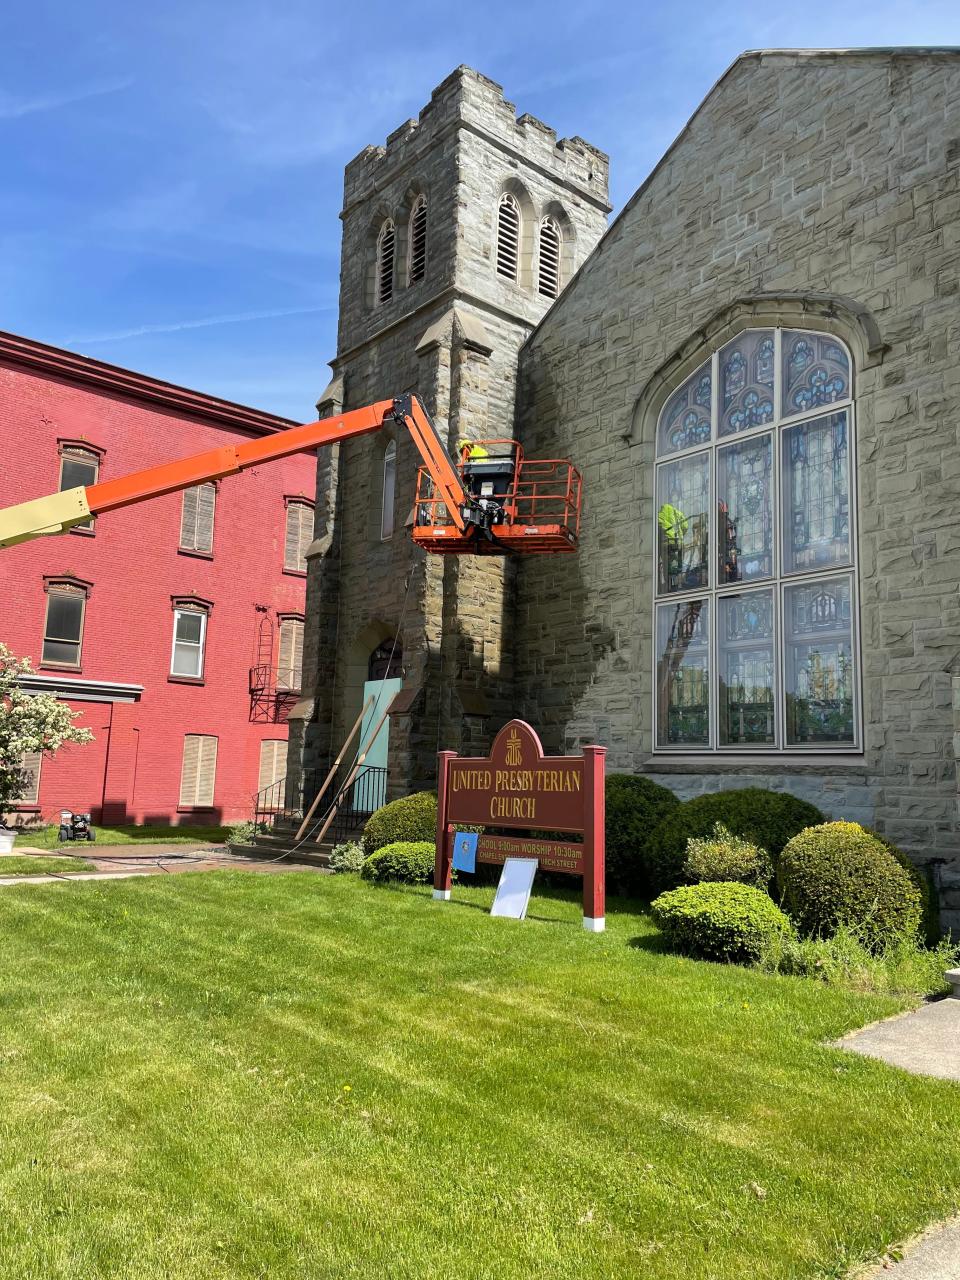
column 488, row 477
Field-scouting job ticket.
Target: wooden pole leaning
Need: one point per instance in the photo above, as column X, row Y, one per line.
column 333, row 769
column 353, row 773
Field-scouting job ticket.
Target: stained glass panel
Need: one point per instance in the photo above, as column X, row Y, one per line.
column 816, row 372
column 819, row 670
column 816, row 494
column 683, row 674
column 745, row 510
column 746, row 381
column 745, row 635
column 683, row 504
column 685, row 420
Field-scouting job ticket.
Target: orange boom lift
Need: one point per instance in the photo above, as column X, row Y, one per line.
column 492, row 501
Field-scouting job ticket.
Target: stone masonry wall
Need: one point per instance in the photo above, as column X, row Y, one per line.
column 453, row 339
column 815, row 191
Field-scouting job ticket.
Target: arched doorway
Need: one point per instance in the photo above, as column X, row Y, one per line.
column 384, row 681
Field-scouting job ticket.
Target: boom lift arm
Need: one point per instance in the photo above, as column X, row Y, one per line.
column 454, row 516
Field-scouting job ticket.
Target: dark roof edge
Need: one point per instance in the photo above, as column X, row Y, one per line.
column 749, row 55
column 31, row 354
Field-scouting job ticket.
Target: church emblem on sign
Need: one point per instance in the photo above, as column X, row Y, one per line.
column 514, row 752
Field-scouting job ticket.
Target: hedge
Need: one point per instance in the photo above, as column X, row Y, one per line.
column 720, row 921
column 409, row 818
column 765, row 818
column 635, row 807
column 405, row 861
column 839, row 874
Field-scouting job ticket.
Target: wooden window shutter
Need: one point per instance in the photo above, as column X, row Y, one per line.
column 290, row 663
column 508, row 237
column 273, row 763
column 196, row 518
column 188, row 519
column 418, row 240
column 299, row 535
column 199, row 771
column 30, row 764
column 386, row 247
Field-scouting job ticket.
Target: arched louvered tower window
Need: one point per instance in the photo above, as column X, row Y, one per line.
column 508, row 236
column 386, row 253
column 418, row 240
column 551, row 244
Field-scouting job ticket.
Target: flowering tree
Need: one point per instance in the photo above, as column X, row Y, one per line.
column 28, row 723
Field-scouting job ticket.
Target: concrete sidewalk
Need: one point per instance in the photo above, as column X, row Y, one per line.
column 120, row 861
column 933, row 1256
column 926, row 1041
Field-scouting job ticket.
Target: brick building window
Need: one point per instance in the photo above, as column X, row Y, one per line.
column 30, row 787
column 79, row 466
column 298, row 536
column 273, row 763
column 418, row 240
column 551, row 244
column 508, row 236
column 198, row 772
column 290, row 657
column 196, row 518
column 189, row 640
column 756, row 614
column 386, row 254
column 389, row 492
column 63, row 623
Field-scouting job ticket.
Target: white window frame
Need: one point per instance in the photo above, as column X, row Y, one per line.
column 200, row 646
column 63, row 589
column 779, row 580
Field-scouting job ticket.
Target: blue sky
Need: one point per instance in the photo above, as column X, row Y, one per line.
column 172, row 173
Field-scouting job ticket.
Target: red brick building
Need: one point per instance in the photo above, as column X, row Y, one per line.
column 176, row 626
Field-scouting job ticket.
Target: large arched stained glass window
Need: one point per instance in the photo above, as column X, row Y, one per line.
column 756, row 616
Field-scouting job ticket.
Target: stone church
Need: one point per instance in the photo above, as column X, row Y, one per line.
column 756, row 368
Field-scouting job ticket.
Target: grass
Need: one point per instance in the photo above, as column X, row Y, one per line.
column 232, row 1076
column 46, row 837
column 23, row 865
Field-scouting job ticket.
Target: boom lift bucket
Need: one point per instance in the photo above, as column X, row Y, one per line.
column 516, row 505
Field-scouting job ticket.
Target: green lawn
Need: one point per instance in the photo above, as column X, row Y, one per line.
column 231, row 1075
column 46, row 838
column 24, row 865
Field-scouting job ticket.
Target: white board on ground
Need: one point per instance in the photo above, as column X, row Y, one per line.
column 513, row 891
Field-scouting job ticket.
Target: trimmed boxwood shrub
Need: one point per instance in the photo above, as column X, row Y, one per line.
column 839, row 874
column 409, row 818
column 635, row 806
column 406, row 861
column 720, row 921
column 929, row 904
column 766, row 818
column 724, row 856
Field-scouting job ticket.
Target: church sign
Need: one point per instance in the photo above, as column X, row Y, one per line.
column 519, row 788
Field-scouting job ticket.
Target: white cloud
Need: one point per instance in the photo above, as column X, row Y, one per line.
column 239, row 317
column 12, row 108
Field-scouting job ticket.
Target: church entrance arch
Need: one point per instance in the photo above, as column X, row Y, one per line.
column 384, row 681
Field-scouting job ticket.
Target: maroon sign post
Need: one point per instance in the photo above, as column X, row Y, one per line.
column 518, row 787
